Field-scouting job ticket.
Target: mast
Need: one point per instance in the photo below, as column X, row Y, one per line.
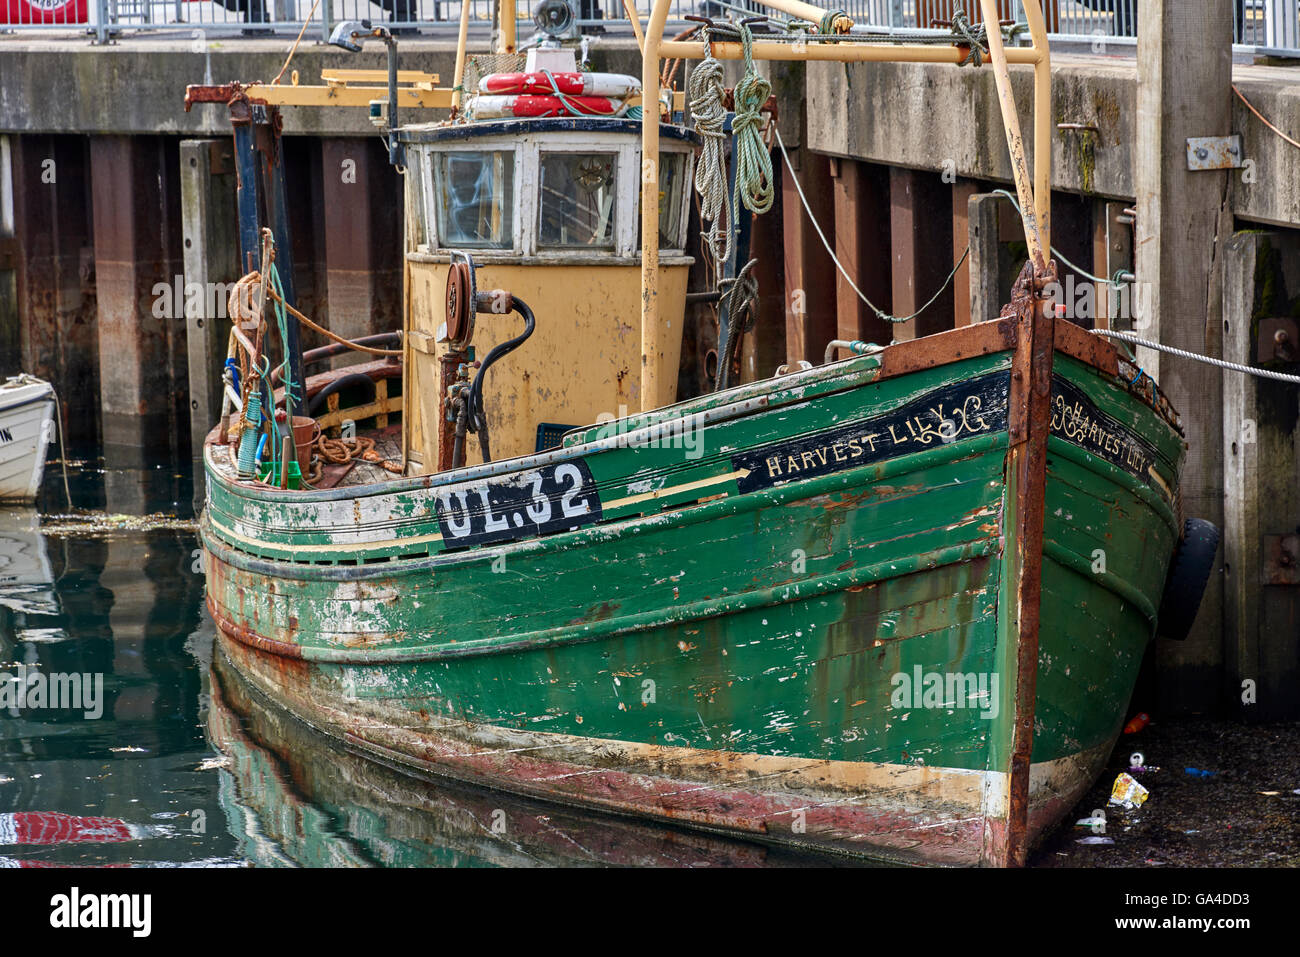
column 1033, row 189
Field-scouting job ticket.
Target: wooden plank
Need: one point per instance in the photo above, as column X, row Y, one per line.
column 985, row 279
column 962, row 290
column 381, row 398
column 1182, row 221
column 210, row 255
column 809, row 288
column 921, row 238
column 1261, row 500
column 861, row 201
column 384, row 408
column 378, row 76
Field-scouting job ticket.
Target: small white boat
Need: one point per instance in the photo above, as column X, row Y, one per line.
column 26, row 430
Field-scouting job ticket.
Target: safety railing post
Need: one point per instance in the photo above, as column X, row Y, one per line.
column 101, row 21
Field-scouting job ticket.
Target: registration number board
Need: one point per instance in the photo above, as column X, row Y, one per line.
column 541, row 501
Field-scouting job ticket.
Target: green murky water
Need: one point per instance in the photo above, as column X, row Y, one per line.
column 154, row 757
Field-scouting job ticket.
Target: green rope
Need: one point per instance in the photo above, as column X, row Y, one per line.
column 753, row 158
column 827, row 26
column 572, row 108
column 975, row 38
column 285, row 370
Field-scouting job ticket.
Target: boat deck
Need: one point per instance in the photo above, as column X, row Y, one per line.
column 388, row 445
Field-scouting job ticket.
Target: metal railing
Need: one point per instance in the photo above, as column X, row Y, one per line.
column 1263, row 26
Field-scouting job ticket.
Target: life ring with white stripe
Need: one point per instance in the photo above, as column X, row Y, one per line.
column 570, row 84
column 524, row 105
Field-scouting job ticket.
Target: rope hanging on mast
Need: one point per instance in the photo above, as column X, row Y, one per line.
column 753, row 157
column 705, row 93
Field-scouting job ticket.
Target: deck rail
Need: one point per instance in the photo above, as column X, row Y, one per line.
column 1261, row 27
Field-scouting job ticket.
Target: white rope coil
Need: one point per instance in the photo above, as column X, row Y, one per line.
column 705, row 90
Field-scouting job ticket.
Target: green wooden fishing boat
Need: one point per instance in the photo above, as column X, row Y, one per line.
column 294, row 798
column 890, row 606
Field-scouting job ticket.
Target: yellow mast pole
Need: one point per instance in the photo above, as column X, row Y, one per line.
column 508, row 17
column 654, row 34
column 806, row 11
column 1034, row 191
column 1042, row 122
column 1011, row 124
column 461, row 38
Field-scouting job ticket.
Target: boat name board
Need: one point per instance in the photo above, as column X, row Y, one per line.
column 1077, row 420
column 553, row 498
column 945, row 415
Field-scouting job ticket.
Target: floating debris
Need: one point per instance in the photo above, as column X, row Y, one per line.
column 1137, row 764
column 1198, row 773
column 212, row 764
column 1095, row 840
column 1137, row 723
column 129, row 749
column 1127, row 793
column 84, row 524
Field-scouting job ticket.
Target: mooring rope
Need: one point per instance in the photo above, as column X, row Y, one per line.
column 753, row 156
column 976, row 38
column 739, row 294
column 294, row 49
column 1196, row 357
column 63, row 452
column 705, row 94
column 838, row 265
column 241, row 295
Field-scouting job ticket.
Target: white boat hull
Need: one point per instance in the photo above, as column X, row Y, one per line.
column 26, row 428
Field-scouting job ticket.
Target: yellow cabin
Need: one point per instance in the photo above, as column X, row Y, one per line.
column 548, row 209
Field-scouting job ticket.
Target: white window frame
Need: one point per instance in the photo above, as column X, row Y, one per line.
column 527, row 149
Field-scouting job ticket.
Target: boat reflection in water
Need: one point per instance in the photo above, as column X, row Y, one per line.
column 26, row 576
column 292, row 797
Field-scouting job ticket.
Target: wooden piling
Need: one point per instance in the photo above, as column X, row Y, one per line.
column 1183, row 218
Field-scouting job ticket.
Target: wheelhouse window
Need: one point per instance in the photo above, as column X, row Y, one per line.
column 474, row 194
column 578, row 198
column 672, row 177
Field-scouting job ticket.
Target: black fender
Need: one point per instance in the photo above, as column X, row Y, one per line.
column 1188, row 574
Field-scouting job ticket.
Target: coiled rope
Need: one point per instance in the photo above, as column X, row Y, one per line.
column 753, row 156
column 705, row 94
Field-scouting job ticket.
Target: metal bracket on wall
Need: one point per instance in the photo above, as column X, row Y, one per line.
column 1277, row 340
column 1215, row 152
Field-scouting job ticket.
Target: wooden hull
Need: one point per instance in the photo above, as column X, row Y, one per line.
column 807, row 633
column 301, row 799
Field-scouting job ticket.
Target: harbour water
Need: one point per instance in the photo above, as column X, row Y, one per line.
column 173, row 761
column 127, row 747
